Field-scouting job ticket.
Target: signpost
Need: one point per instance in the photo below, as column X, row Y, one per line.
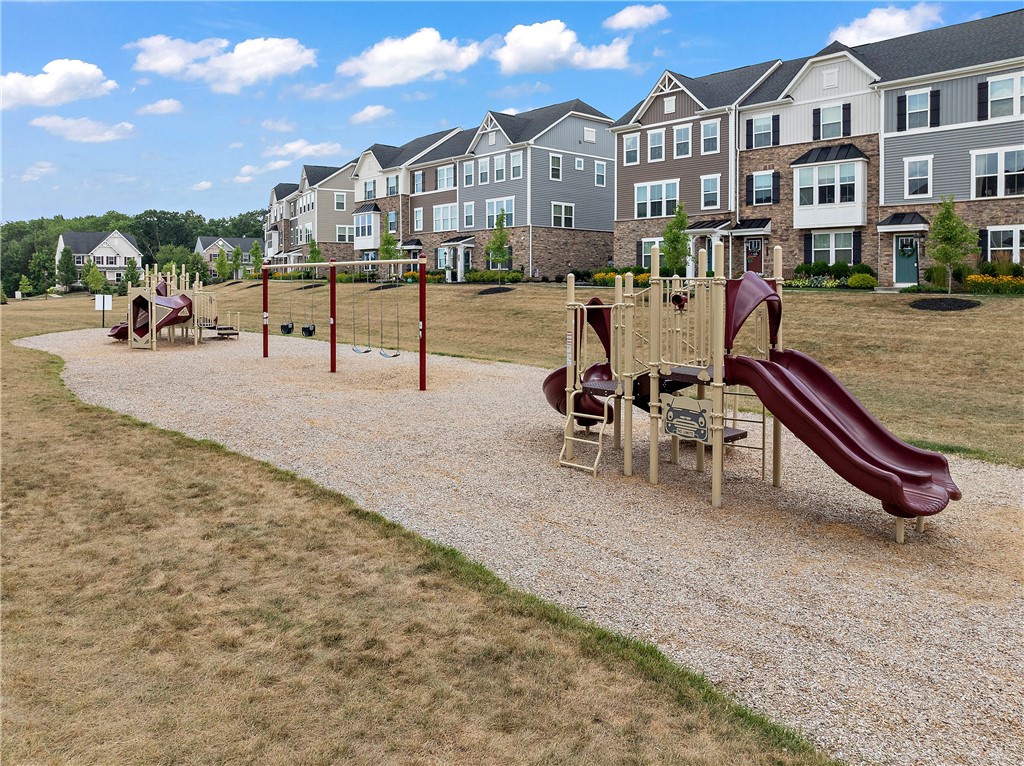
column 104, row 303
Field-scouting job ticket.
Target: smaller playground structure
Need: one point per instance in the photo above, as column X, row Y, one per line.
column 332, row 266
column 170, row 302
column 682, row 333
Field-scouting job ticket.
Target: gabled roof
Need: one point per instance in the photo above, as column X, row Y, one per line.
column 282, row 190
column 773, row 85
column 232, row 242
column 395, row 156
column 456, row 146
column 317, row 173
column 84, row 242
column 528, row 125
column 830, row 154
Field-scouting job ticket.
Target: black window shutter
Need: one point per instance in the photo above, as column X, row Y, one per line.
column 750, row 134
column 846, row 120
column 856, row 246
column 776, row 186
column 808, row 252
column 933, row 108
column 750, row 190
column 639, row 253
column 983, row 242
column 901, row 113
column 817, row 125
column 982, row 100
column 775, row 130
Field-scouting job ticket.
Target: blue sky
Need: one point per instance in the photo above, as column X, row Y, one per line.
column 205, row 106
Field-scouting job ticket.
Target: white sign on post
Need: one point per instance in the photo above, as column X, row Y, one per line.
column 104, row 302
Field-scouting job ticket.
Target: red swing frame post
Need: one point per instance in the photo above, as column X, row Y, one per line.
column 423, row 325
column 334, row 329
column 266, row 312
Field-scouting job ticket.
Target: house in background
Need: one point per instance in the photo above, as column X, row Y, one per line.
column 108, row 250
column 210, row 248
column 277, row 224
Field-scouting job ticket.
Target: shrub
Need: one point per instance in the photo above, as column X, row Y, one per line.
column 840, row 270
column 961, row 271
column 545, row 278
column 861, row 282
column 936, row 275
column 862, row 268
column 492, row 275
column 581, row 274
column 984, row 284
column 559, row 278
column 919, row 289
column 802, row 270
column 818, row 269
column 987, row 268
column 435, row 277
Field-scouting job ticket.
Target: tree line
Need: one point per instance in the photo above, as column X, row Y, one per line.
column 29, row 248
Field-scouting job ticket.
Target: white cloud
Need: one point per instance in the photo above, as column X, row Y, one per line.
column 637, row 17
column 201, row 186
column 163, row 106
column 369, row 114
column 83, row 130
column 421, row 55
column 511, row 110
column 38, row 170
column 284, row 125
column 62, row 81
column 551, row 45
column 302, row 148
column 255, row 170
column 236, row 145
column 883, row 23
column 251, row 61
column 243, row 179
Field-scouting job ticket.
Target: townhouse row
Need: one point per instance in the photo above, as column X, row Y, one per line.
column 839, row 156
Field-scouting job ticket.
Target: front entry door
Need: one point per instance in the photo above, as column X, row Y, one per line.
column 752, row 248
column 905, row 256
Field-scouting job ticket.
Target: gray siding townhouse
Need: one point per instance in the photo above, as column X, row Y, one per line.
column 676, row 147
column 210, row 248
column 321, row 211
column 109, row 250
column 844, row 155
column 277, row 225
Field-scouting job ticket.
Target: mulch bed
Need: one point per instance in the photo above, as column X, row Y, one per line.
column 944, row 304
column 495, row 290
column 312, row 287
column 386, row 286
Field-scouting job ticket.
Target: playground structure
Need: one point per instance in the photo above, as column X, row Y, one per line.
column 681, row 332
column 170, row 302
column 309, row 329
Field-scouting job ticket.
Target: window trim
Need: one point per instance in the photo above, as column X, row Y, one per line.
column 450, row 176
column 1017, row 246
column 468, row 180
column 551, row 166
column 930, row 158
column 625, row 150
column 453, row 207
column 512, row 166
column 338, row 234
column 688, row 127
column 483, row 171
column 387, row 185
column 604, row 173
column 417, row 225
column 394, row 220
column 468, row 215
column 645, row 257
column 499, row 166
column 718, row 136
column 589, row 135
column 670, row 105
column 1000, row 152
column 488, row 214
column 417, row 182
column 718, row 191
column 344, row 202
column 565, row 205
column 831, row 233
column 753, row 121
column 664, row 198
column 1016, row 107
column 830, row 78
column 771, row 197
column 927, row 107
column 839, row 122
column 580, row 164
column 650, row 145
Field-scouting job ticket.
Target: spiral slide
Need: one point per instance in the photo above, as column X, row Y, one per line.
column 173, row 309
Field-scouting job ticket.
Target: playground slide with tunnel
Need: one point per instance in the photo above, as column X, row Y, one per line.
column 824, row 415
column 176, row 309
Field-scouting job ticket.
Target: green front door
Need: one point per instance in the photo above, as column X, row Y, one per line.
column 905, row 256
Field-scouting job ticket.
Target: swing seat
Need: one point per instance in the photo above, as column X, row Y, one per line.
column 308, row 330
column 389, row 355
column 361, row 350
column 288, row 329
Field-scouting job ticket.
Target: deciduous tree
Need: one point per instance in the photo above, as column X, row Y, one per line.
column 497, row 247
column 951, row 241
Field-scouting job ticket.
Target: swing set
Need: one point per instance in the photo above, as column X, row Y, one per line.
column 309, row 329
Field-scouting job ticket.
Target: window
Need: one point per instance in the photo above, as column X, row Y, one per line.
column 516, row 165
column 670, row 104
column 600, row 173
column 829, row 78
column 499, row 168
column 555, row 168
column 1000, row 97
column 832, row 247
column 681, row 141
column 646, row 246
column 631, row 149
column 446, row 177
column 657, row 199
column 762, row 131
column 580, row 164
column 393, row 221
column 485, row 170
column 709, row 191
column 655, row 145
column 806, row 186
column 832, row 121
column 562, row 215
column 468, row 171
column 763, row 188
column 445, row 217
column 417, row 219
column 467, row 215
column 417, row 182
column 79, row 260
column 847, row 182
column 339, row 200
column 495, row 206
column 392, row 184
column 998, row 172
column 1005, row 244
column 363, row 224
column 709, row 137
column 917, row 109
column 344, row 233
column 827, row 184
column 370, row 189
column 589, row 136
column 918, row 172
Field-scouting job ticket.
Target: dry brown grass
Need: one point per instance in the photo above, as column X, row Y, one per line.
column 165, row 601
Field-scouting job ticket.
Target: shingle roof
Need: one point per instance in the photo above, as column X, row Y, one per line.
column 232, row 242
column 830, row 154
column 455, row 146
column 317, row 173
column 396, row 156
column 526, row 125
column 771, row 88
column 282, row 190
column 84, row 242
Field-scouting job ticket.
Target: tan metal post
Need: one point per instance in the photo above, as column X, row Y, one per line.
column 718, row 380
column 615, row 358
column 776, row 425
column 629, row 343
column 655, row 298
column 570, row 360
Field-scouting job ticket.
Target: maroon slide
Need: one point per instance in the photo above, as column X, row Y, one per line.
column 179, row 311
column 554, row 383
column 825, row 416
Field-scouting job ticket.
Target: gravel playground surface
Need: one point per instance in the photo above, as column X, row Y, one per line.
column 796, row 601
